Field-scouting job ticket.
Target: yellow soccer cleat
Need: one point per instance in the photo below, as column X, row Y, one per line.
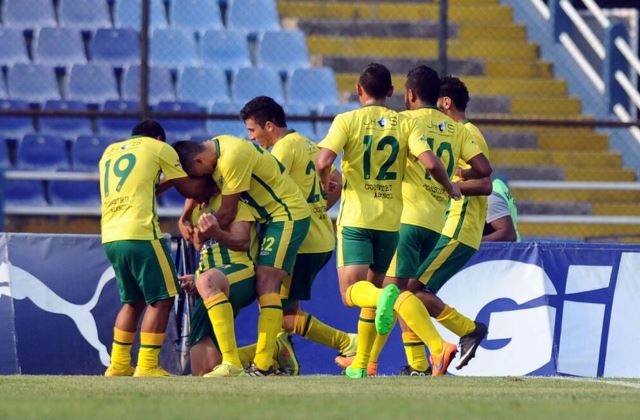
column 225, row 370
column 114, row 370
column 155, row 372
column 287, row 359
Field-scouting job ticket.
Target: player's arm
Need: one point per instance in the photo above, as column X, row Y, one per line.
column 228, row 210
column 184, row 222
column 480, row 168
column 237, row 238
column 330, row 147
column 324, row 161
column 335, row 188
column 439, row 173
column 482, row 186
column 503, row 230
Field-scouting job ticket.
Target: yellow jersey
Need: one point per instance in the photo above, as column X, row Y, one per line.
column 467, row 216
column 298, row 155
column 214, row 254
column 425, row 200
column 129, row 172
column 245, row 167
column 376, row 141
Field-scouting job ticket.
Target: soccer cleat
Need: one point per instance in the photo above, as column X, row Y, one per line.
column 253, row 370
column 409, row 371
column 287, row 359
column 355, row 373
column 469, row 344
column 440, row 363
column 114, row 370
column 225, row 370
column 372, row 369
column 150, row 372
column 346, row 356
column 384, row 311
column 344, row 361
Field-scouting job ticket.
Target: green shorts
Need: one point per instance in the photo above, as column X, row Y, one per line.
column 279, row 243
column 358, row 246
column 297, row 286
column 143, row 270
column 414, row 245
column 446, row 259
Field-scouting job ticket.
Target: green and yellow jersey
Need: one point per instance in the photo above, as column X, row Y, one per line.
column 246, row 168
column 129, row 172
column 298, row 155
column 425, row 200
column 376, row 141
column 467, row 216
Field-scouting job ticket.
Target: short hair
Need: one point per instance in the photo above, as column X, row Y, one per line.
column 149, row 128
column 425, row 82
column 375, row 79
column 187, row 151
column 455, row 89
column 263, row 109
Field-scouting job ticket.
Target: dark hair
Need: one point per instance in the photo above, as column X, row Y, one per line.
column 424, row 81
column 263, row 109
column 375, row 79
column 187, row 151
column 149, row 128
column 454, row 88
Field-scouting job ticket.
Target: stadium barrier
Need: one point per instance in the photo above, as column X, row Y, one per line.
column 552, row 309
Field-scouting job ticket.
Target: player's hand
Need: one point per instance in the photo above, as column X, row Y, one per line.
column 186, row 229
column 208, row 225
column 335, row 182
column 198, row 239
column 188, row 284
column 459, row 172
column 454, row 192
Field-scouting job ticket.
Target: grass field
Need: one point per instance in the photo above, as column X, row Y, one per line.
column 316, row 397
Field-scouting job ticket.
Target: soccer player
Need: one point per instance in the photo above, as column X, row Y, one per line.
column 266, row 123
column 245, row 171
column 133, row 243
column 376, row 142
column 502, row 215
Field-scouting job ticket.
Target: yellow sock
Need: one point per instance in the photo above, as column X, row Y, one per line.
column 269, row 325
column 379, row 343
column 366, row 337
column 247, row 353
column 121, row 348
column 416, row 316
column 315, row 330
column 221, row 317
column 363, row 294
column 415, row 351
column 150, row 345
column 455, row 322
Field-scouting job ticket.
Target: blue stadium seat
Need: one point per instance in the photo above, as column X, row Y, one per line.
column 250, row 82
column 74, row 193
column 303, row 127
column 117, row 47
column 172, row 198
column 282, row 50
column 322, row 127
column 92, row 83
column 313, row 87
column 234, row 126
column 86, row 152
column 128, row 14
column 160, row 85
column 28, row 14
column 42, row 152
column 196, row 15
column 63, row 126
column 85, row 15
column 3, row 88
column 180, row 129
column 59, row 47
column 24, row 193
column 13, row 48
column 173, row 48
column 114, row 127
column 225, row 49
column 33, row 82
column 203, row 85
column 15, row 127
column 253, row 16
column 5, row 162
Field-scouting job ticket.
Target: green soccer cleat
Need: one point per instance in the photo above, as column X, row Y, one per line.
column 225, row 370
column 384, row 311
column 355, row 373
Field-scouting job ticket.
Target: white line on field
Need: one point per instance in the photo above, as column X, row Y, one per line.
column 595, row 381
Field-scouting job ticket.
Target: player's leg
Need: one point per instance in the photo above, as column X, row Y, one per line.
column 203, row 351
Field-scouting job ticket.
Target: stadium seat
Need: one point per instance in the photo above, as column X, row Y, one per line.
column 28, row 14
column 172, row 198
column 41, row 152
column 117, row 47
column 196, row 15
column 173, row 48
column 253, row 16
column 234, row 126
column 86, row 152
column 160, row 85
column 92, row 83
column 66, row 127
column 225, row 49
column 313, row 87
column 282, row 50
column 15, row 127
column 180, row 129
column 24, row 193
column 128, row 14
column 85, row 15
column 5, row 162
column 74, row 193
column 114, row 127
column 202, row 85
column 303, row 127
column 59, row 47
column 33, row 82
column 13, row 48
column 250, row 82
column 322, row 127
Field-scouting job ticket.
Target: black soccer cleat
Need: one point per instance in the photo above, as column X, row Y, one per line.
column 253, row 370
column 469, row 344
column 409, row 371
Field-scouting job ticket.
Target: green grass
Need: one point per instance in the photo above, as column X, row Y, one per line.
column 315, row 397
